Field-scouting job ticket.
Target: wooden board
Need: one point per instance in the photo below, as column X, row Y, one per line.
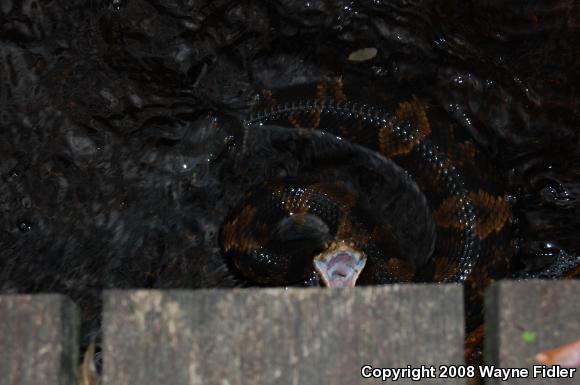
column 38, row 339
column 278, row 336
column 524, row 318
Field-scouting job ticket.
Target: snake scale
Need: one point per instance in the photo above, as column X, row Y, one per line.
column 451, row 187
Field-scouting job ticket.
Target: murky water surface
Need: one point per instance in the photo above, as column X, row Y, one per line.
column 118, row 120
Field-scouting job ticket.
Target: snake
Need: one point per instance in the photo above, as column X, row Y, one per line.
column 419, row 199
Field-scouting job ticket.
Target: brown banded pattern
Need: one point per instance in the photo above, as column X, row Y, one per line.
column 471, row 215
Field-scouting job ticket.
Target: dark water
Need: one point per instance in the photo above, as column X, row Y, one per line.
column 117, row 118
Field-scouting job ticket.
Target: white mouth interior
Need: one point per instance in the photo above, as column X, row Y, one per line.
column 341, row 268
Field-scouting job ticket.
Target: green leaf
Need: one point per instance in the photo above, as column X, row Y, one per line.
column 528, row 336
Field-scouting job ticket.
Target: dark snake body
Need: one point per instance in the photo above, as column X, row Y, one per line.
column 463, row 194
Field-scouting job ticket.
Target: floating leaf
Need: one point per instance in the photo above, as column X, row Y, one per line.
column 363, row 54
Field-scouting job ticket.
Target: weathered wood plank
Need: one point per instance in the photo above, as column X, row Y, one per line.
column 525, row 318
column 38, row 339
column 277, row 336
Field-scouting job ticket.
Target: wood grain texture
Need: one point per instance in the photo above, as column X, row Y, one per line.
column 278, row 336
column 39, row 340
column 525, row 318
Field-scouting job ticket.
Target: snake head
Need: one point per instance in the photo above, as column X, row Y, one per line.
column 340, row 264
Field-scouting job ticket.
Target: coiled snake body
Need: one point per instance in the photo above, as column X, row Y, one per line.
column 429, row 179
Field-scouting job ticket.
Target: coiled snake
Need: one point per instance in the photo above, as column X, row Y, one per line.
column 428, row 205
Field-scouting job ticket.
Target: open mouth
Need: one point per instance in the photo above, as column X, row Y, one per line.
column 340, row 265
